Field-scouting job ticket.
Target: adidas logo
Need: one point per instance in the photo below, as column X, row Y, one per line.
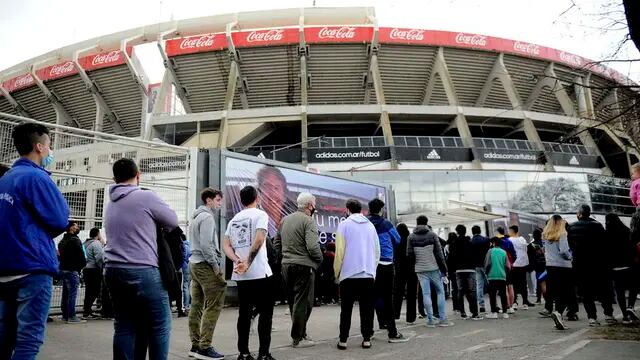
column 433, row 155
column 574, row 161
column 261, row 156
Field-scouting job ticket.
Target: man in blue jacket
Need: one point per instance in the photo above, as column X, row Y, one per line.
column 33, row 212
column 388, row 237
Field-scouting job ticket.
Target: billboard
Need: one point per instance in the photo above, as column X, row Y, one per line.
column 278, row 188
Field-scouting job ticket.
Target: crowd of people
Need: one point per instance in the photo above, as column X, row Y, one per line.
column 148, row 262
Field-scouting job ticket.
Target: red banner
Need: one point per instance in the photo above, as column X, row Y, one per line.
column 104, row 59
column 57, row 71
column 19, row 82
column 338, row 34
column 196, row 44
column 270, row 37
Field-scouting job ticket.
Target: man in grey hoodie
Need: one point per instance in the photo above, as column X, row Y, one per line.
column 92, row 273
column 207, row 281
column 140, row 300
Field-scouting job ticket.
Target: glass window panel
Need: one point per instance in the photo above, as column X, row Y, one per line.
column 459, row 142
column 522, row 145
column 379, row 141
column 470, row 175
column 492, row 196
column 583, row 150
column 412, row 141
column 547, row 146
column 339, row 142
column 566, row 149
column 436, row 141
column 448, row 142
column 495, row 175
column 495, row 186
column 366, row 141
column 447, row 181
column 443, row 197
column 516, row 185
column 500, row 144
column 488, row 143
column 511, row 144
column 399, row 141
column 423, row 196
column 470, row 185
column 574, row 149
column 352, row 142
column 473, row 196
column 314, row 143
column 478, row 143
column 425, row 142
column 421, row 177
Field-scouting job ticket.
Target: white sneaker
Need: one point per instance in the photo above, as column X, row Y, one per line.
column 511, row 311
column 514, row 306
column 505, row 316
column 594, row 322
column 492, row 316
column 525, row 307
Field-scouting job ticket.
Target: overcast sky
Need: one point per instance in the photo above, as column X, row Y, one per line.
column 32, row 27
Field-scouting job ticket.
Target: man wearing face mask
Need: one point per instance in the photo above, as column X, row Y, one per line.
column 72, row 261
column 29, row 200
column 297, row 244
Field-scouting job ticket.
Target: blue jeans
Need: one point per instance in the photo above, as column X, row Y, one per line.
column 142, row 313
column 481, row 282
column 427, row 279
column 186, row 286
column 24, row 306
column 70, row 283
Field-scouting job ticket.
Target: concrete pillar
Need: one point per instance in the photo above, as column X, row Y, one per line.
column 588, row 141
column 465, row 133
column 228, row 104
column 385, row 123
column 304, row 101
column 532, row 136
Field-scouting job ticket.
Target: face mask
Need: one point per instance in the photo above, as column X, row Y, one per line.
column 48, row 160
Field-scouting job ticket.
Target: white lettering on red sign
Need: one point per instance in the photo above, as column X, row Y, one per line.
column 471, row 39
column 263, row 36
column 344, row 32
column 194, row 43
column 106, row 58
column 23, row 81
column 61, row 69
column 412, row 34
column 527, row 48
column 571, row 58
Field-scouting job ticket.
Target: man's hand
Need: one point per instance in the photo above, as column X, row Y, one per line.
column 240, row 267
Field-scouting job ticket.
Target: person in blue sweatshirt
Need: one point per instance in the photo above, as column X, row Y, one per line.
column 388, row 237
column 33, row 212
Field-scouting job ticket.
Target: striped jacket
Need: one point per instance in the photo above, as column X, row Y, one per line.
column 424, row 250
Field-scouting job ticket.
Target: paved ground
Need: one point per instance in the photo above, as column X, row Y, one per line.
column 524, row 336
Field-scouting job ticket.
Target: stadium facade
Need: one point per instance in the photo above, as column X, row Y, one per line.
column 437, row 115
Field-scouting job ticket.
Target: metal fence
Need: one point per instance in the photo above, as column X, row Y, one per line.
column 82, row 169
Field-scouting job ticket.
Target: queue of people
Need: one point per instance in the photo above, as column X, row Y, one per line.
column 371, row 262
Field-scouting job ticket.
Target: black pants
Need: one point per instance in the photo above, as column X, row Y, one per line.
column 92, row 283
column 413, row 292
column 106, row 310
column 498, row 287
column 595, row 284
column 455, row 299
column 384, row 298
column 362, row 291
column 176, row 295
column 560, row 288
column 467, row 287
column 299, row 285
column 625, row 280
column 255, row 294
column 399, row 290
column 519, row 277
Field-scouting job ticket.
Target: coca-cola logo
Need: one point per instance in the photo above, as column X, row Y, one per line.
column 412, row 34
column 527, row 48
column 263, row 36
column 571, row 58
column 471, row 39
column 106, row 58
column 194, row 43
column 24, row 80
column 344, row 32
column 61, row 69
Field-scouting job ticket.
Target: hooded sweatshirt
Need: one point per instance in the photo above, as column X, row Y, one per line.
column 130, row 223
column 72, row 256
column 357, row 248
column 204, row 239
column 95, row 253
column 425, row 251
column 387, row 235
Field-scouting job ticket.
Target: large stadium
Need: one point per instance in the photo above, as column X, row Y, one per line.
column 436, row 115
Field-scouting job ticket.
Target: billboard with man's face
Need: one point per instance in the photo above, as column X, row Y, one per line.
column 278, row 189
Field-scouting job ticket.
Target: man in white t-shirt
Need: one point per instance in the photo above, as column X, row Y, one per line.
column 519, row 269
column 245, row 245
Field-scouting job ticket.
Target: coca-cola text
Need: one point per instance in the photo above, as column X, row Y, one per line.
column 344, row 32
column 411, row 35
column 106, row 58
column 263, row 36
column 197, row 42
column 527, row 48
column 471, row 39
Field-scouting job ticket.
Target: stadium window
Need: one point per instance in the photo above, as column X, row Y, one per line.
column 85, row 161
column 583, row 150
column 436, row 142
column 511, row 144
column 339, row 142
column 424, row 141
column 314, row 143
column 379, row 141
column 352, row 142
column 412, row 141
column 500, row 144
column 459, row 142
column 574, row 149
column 448, row 142
column 131, row 154
column 478, row 143
column 103, row 158
column 488, row 144
column 59, row 165
column 522, row 145
column 547, row 147
column 399, row 141
column 566, row 149
column 366, row 141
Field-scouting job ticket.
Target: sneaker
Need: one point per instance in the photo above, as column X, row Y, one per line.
column 431, row 324
column 505, row 316
column 411, row 322
column 420, row 316
column 626, row 321
column 525, row 307
column 266, row 357
column 246, row 357
column 594, row 322
column 307, row 337
column 75, row 320
column 610, row 320
column 514, row 306
column 366, row 344
column 399, row 338
column 483, row 310
column 464, row 316
column 301, row 344
column 492, row 316
column 209, row 354
column 631, row 313
column 193, row 351
column 477, row 318
column 557, row 319
column 445, row 323
column 545, row 313
column 511, row 311
column 342, row 345
column 90, row 317
column 573, row 317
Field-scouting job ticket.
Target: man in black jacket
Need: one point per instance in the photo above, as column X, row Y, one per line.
column 464, row 262
column 72, row 261
column 481, row 246
column 591, row 264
